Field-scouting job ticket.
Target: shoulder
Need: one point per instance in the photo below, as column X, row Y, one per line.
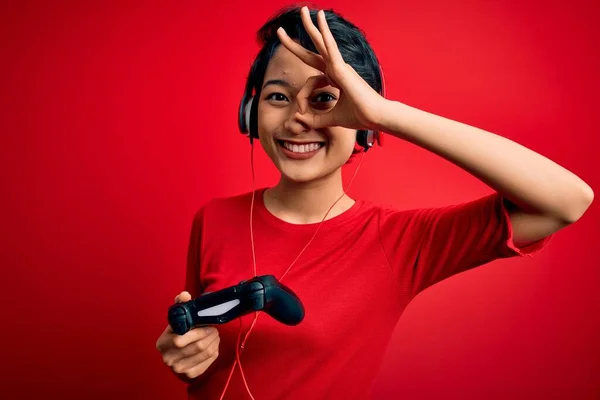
column 232, row 202
column 225, row 207
column 385, row 211
column 482, row 207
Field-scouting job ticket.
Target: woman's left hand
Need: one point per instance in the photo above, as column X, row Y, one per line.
column 359, row 106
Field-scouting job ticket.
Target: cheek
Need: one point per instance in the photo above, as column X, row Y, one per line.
column 269, row 118
column 343, row 140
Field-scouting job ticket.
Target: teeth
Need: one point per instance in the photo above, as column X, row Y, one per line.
column 301, row 148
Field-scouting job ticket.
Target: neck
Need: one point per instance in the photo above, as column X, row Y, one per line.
column 307, row 203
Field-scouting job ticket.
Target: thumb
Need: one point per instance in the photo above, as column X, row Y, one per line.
column 183, row 297
column 317, row 121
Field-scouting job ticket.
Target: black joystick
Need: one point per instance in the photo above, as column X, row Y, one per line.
column 261, row 293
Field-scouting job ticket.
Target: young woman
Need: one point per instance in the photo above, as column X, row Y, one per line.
column 355, row 265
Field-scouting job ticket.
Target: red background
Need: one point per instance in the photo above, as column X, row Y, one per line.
column 118, row 120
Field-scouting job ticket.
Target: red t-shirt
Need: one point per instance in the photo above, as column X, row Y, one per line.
column 355, row 279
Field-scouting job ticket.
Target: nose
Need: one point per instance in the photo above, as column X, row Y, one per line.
column 295, row 125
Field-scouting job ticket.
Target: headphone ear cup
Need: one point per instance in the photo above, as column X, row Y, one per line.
column 365, row 139
column 242, row 125
column 253, row 117
column 247, row 112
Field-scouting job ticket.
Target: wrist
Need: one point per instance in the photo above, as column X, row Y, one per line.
column 389, row 114
column 403, row 121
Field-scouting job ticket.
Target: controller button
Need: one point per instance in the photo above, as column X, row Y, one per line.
column 177, row 311
column 255, row 286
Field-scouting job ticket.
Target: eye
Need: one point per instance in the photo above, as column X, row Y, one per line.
column 324, row 97
column 277, row 97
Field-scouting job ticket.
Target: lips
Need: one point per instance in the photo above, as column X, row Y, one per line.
column 303, row 147
column 300, row 150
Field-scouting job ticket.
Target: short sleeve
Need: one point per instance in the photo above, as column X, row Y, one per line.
column 426, row 246
column 194, row 255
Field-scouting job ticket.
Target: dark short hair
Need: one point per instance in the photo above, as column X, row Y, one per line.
column 351, row 42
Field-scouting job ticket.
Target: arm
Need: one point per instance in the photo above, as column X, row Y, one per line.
column 543, row 196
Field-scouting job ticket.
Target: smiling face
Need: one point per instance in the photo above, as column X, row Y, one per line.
column 301, row 154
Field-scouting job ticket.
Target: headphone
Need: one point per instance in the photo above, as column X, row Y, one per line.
column 248, row 119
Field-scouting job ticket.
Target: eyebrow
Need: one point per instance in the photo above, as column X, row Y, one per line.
column 280, row 82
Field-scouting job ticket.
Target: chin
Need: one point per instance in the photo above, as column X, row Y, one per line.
column 319, row 167
column 307, row 174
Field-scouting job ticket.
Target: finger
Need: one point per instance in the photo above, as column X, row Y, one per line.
column 319, row 121
column 200, row 368
column 198, row 346
column 307, row 56
column 170, row 343
column 193, row 335
column 183, row 297
column 174, row 355
column 333, row 52
column 163, row 342
column 170, row 340
column 314, row 33
column 185, row 363
column 312, row 83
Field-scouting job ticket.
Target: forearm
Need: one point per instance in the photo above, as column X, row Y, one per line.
column 529, row 180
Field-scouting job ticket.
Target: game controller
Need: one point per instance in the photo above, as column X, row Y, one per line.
column 261, row 293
